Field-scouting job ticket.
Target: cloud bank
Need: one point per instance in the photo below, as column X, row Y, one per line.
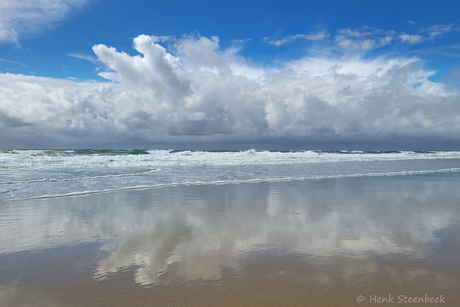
column 193, row 91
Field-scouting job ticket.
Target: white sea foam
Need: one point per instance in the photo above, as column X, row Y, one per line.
column 69, row 159
column 26, row 174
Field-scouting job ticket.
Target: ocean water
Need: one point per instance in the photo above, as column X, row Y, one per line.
column 28, row 174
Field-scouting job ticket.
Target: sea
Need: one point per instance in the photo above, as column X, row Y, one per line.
column 31, row 174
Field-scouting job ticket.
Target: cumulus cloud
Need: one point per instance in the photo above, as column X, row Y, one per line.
column 195, row 91
column 288, row 39
column 19, row 17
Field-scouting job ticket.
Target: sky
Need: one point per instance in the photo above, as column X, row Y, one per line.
column 330, row 75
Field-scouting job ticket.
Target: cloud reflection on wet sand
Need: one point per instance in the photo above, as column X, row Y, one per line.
column 397, row 232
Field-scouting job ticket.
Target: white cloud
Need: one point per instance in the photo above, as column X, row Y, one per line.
column 90, row 58
column 18, row 17
column 435, row 31
column 200, row 52
column 363, row 39
column 288, row 39
column 14, row 62
column 8, row 35
column 439, row 30
column 366, row 38
column 447, row 50
column 411, row 38
column 390, row 32
column 241, row 41
column 354, row 33
column 157, row 39
column 203, row 93
column 386, row 40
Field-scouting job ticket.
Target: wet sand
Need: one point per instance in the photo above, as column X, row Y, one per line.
column 330, row 242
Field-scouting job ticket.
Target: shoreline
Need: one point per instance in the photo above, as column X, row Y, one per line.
column 446, row 171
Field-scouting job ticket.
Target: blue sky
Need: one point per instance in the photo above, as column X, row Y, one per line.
column 229, row 73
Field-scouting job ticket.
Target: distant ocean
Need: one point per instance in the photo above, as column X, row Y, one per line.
column 28, row 174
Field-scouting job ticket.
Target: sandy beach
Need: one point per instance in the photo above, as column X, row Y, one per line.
column 390, row 240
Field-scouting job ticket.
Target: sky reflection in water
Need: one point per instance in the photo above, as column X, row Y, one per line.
column 329, row 232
